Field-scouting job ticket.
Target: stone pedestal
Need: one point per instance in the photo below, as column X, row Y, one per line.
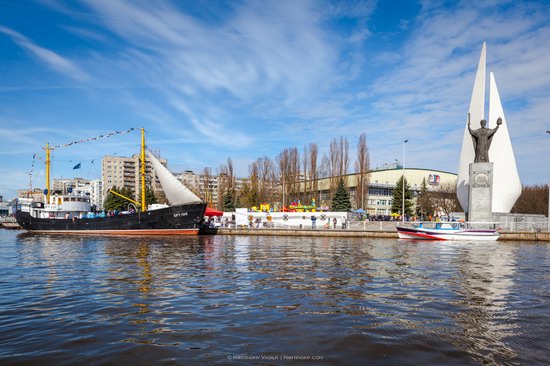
column 481, row 192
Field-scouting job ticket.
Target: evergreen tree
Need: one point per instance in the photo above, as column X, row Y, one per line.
column 228, row 205
column 113, row 202
column 341, row 201
column 238, row 202
column 150, row 197
column 397, row 202
column 424, row 201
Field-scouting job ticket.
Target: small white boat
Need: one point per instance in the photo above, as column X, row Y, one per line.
column 445, row 231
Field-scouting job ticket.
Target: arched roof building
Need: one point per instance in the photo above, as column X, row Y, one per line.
column 381, row 183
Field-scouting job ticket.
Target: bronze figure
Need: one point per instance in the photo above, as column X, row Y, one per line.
column 482, row 138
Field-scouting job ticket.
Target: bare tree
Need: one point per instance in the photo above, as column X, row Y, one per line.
column 288, row 167
column 265, row 172
column 533, row 200
column 339, row 161
column 313, row 171
column 444, row 198
column 226, row 182
column 295, row 172
column 362, row 166
column 250, row 196
column 283, row 164
column 305, row 170
column 206, row 185
column 324, row 171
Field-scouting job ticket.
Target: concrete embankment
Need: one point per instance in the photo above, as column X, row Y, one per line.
column 525, row 235
column 10, row 226
column 504, row 235
column 311, row 232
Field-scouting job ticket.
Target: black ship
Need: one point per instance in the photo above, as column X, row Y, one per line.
column 71, row 214
column 175, row 220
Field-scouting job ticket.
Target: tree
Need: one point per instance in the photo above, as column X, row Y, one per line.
column 226, row 181
column 362, row 166
column 444, row 198
column 341, row 201
column 397, row 201
column 247, row 196
column 228, row 201
column 313, row 171
column 424, row 203
column 288, row 163
column 339, row 162
column 533, row 200
column 150, row 197
column 206, row 190
column 113, row 202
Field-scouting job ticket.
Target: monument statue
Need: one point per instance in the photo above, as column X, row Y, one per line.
column 482, row 138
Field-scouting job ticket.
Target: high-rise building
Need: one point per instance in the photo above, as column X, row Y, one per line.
column 125, row 172
column 81, row 186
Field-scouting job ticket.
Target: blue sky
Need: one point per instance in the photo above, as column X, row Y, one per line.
column 245, row 79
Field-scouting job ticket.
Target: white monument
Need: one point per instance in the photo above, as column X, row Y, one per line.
column 505, row 187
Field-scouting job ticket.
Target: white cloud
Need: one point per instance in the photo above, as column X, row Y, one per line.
column 50, row 58
column 427, row 95
column 249, row 78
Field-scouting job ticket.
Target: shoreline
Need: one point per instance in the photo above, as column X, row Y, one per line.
column 542, row 236
column 504, row 235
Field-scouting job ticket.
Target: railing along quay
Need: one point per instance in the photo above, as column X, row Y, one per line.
column 374, row 229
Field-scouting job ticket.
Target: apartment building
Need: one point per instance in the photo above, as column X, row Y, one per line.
column 122, row 171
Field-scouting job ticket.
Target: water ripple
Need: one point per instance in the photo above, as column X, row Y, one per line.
column 219, row 300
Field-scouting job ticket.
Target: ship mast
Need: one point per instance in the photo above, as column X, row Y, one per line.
column 143, row 205
column 48, row 165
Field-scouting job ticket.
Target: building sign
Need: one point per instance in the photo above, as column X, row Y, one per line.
column 434, row 179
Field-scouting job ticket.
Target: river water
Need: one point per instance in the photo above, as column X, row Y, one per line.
column 68, row 300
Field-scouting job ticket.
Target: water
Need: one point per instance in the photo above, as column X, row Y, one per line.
column 268, row 300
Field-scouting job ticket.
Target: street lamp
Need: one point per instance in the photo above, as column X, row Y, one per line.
column 548, row 228
column 403, row 201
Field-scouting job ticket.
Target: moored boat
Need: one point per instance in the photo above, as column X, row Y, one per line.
column 71, row 214
column 445, row 231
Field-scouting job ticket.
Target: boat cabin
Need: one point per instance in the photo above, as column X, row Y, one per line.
column 59, row 207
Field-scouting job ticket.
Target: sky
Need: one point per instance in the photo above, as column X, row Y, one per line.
column 209, row 80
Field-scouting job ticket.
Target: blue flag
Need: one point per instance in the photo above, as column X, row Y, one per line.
column 77, row 166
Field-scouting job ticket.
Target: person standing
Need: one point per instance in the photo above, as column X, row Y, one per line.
column 313, row 222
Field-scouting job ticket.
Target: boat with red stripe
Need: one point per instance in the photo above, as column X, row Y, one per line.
column 446, row 231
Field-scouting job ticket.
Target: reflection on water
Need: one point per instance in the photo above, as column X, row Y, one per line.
column 213, row 299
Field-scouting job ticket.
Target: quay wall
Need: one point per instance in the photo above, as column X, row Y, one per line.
column 504, row 235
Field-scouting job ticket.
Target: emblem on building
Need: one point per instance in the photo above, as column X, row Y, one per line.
column 434, row 179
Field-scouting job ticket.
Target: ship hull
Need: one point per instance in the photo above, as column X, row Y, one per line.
column 175, row 220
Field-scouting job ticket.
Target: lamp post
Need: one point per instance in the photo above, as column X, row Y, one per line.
column 548, row 215
column 403, row 200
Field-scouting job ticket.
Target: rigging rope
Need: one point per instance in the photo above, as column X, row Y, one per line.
column 73, row 143
column 93, row 138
